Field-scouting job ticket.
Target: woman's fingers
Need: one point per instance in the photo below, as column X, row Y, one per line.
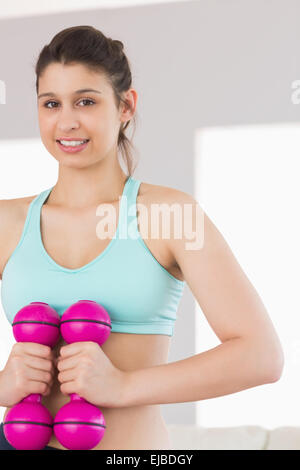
column 39, row 375
column 39, row 363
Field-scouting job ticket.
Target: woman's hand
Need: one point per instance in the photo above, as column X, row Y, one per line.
column 29, row 369
column 85, row 369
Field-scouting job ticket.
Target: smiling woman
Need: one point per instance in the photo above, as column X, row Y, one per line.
column 85, row 103
column 105, row 68
column 51, row 252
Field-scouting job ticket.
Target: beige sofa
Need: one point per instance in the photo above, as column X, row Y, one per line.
column 234, row 438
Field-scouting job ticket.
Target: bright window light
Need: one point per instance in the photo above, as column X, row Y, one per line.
column 26, row 168
column 247, row 181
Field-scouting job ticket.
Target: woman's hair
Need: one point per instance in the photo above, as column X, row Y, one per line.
column 89, row 46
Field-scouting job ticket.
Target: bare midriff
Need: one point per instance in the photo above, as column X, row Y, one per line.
column 135, row 427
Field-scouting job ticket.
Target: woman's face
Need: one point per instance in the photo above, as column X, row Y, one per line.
column 80, row 115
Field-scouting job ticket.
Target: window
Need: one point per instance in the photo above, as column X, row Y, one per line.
column 247, row 180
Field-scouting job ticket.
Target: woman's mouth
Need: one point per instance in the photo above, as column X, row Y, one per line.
column 72, row 146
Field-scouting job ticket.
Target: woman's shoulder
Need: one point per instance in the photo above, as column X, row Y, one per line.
column 154, row 193
column 13, row 208
column 13, row 214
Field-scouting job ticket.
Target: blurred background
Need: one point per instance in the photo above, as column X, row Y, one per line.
column 217, row 84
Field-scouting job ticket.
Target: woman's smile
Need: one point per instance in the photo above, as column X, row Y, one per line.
column 72, row 147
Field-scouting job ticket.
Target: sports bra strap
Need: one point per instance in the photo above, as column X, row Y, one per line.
column 127, row 210
column 128, row 220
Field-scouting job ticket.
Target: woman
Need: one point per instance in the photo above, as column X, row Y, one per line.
column 51, row 252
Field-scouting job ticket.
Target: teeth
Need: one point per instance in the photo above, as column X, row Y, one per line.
column 72, row 143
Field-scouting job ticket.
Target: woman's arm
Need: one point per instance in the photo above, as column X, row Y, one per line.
column 250, row 352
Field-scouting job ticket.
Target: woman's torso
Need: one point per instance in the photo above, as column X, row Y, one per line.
column 126, row 351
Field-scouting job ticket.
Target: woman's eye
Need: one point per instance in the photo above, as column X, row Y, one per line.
column 86, row 99
column 50, row 102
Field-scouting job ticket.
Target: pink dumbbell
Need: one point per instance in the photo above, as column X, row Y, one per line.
column 79, row 425
column 28, row 425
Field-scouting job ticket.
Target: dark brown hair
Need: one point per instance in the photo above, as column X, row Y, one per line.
column 90, row 47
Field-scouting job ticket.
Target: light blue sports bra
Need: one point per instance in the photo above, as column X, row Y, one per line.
column 139, row 294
